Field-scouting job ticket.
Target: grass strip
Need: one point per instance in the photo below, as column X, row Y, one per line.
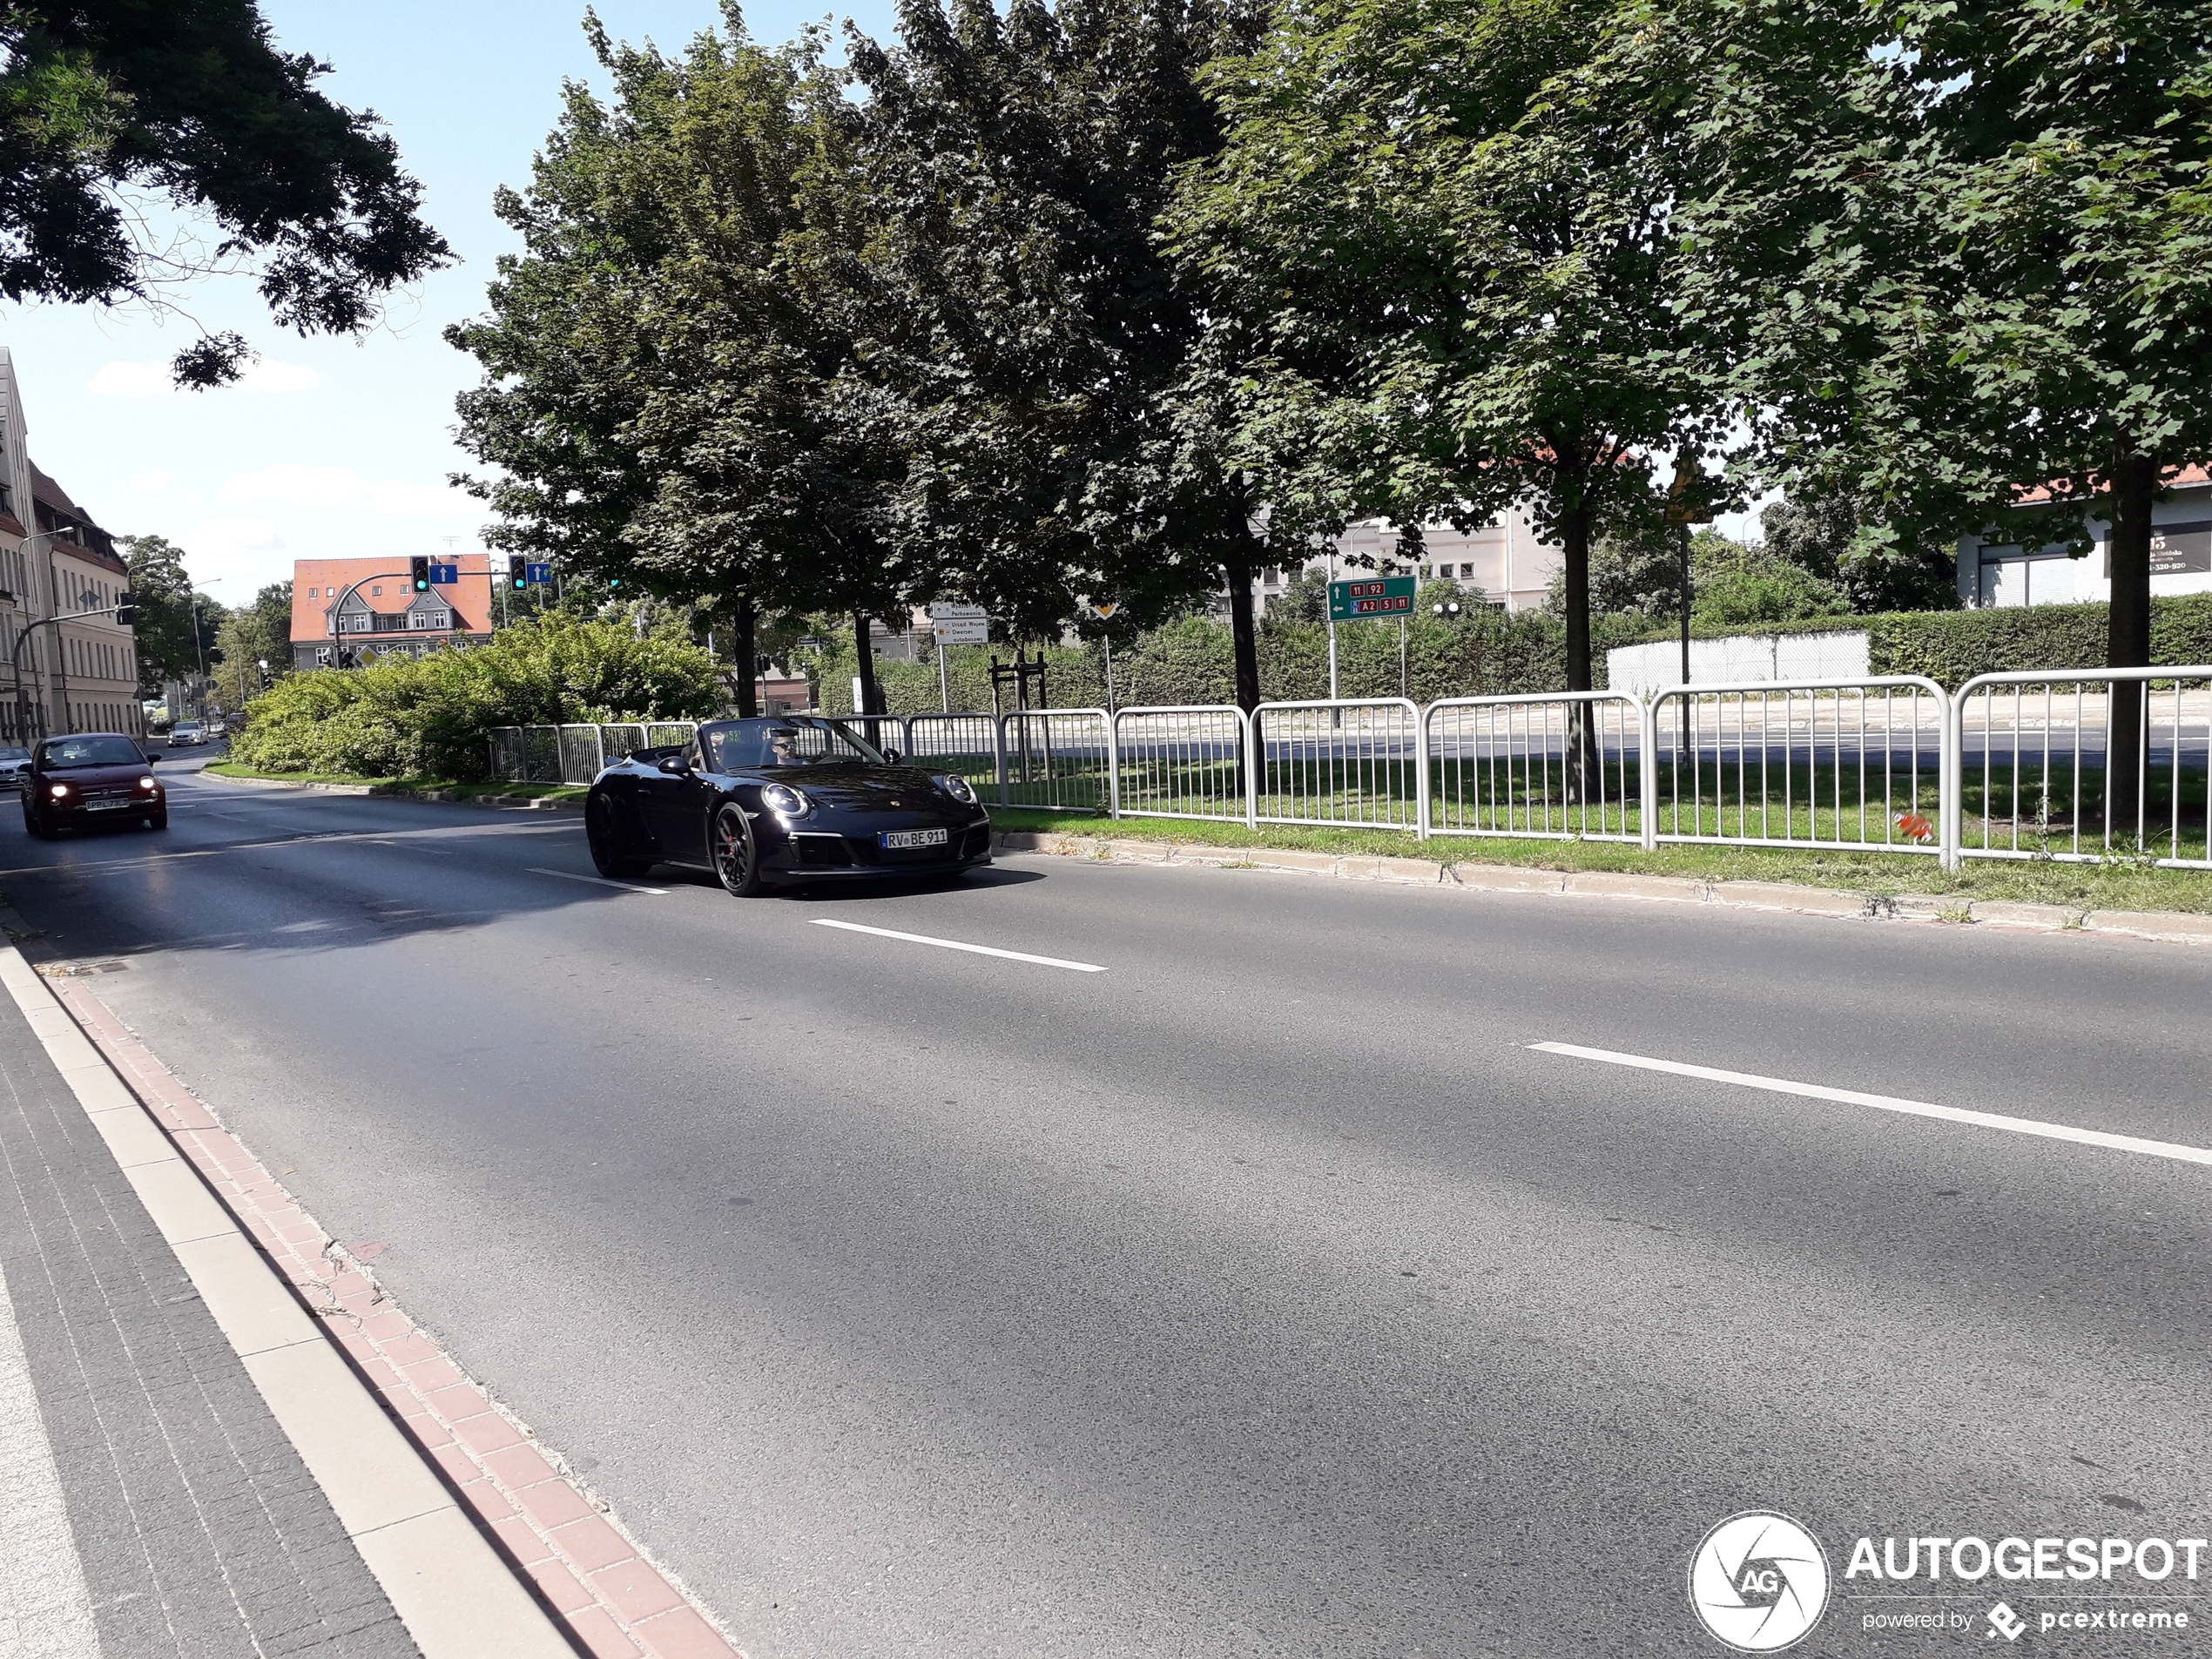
column 2116, row 884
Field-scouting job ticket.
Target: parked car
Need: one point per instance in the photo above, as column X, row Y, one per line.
column 187, row 736
column 781, row 802
column 13, row 764
column 92, row 777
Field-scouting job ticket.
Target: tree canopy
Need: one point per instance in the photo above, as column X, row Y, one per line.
column 193, row 99
column 174, row 628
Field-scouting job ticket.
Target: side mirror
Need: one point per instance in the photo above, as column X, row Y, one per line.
column 153, row 760
column 892, row 756
column 675, row 765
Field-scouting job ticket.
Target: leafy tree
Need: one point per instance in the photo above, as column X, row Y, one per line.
column 1031, row 323
column 251, row 635
column 1440, row 278
column 175, row 629
column 674, row 393
column 192, row 99
column 1965, row 244
column 1819, row 533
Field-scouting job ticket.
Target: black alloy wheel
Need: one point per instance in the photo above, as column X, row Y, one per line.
column 735, row 866
column 158, row 821
column 34, row 825
column 605, row 837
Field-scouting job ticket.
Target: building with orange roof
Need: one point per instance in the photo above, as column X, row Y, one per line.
column 2009, row 574
column 366, row 609
column 60, row 583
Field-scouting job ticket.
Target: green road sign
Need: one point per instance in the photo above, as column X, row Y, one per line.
column 1374, row 596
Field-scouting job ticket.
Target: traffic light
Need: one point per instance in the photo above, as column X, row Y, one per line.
column 518, row 569
column 126, row 607
column 614, row 581
column 419, row 572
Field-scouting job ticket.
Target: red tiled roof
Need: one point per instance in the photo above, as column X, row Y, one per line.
column 2176, row 477
column 317, row 583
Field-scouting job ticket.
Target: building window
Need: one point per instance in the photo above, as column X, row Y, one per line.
column 378, row 589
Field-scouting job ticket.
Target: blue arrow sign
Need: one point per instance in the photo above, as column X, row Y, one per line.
column 444, row 575
column 535, row 573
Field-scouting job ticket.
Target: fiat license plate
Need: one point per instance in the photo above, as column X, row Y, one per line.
column 911, row 838
column 108, row 806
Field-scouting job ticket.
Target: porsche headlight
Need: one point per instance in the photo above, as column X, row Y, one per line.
column 958, row 787
column 784, row 801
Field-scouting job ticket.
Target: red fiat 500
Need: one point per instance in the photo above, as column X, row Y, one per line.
column 92, row 777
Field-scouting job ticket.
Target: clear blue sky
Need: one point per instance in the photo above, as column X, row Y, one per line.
column 336, row 448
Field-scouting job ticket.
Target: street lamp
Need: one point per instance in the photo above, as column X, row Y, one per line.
column 1447, row 608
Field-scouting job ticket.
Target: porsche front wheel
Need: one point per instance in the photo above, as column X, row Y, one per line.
column 604, row 835
column 736, row 864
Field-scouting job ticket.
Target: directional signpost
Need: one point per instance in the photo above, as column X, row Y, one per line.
column 1106, row 611
column 1369, row 596
column 1374, row 596
column 953, row 625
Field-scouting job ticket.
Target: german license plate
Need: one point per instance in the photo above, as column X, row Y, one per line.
column 911, row 838
column 108, row 805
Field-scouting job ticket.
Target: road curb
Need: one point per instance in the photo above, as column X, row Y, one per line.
column 456, row 1597
column 2166, row 926
column 593, row 1580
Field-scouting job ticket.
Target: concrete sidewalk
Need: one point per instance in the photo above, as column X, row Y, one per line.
column 150, row 1503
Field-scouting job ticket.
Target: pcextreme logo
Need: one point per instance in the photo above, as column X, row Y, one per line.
column 1758, row 1582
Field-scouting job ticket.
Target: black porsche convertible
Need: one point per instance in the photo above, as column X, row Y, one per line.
column 779, row 802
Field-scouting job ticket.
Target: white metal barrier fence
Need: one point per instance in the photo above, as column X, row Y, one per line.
column 2094, row 764
column 1566, row 765
column 1180, row 762
column 1350, row 764
column 1060, row 758
column 1860, row 765
column 2016, row 766
column 575, row 754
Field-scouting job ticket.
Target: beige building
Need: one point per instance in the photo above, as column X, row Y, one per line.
column 1506, row 559
column 80, row 675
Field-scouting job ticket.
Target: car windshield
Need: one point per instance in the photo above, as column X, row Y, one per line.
column 59, row 754
column 792, row 740
column 14, row 754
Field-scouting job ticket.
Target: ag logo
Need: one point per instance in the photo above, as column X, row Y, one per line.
column 1759, row 1582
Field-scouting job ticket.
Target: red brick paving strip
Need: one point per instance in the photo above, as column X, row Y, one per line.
column 615, row 1602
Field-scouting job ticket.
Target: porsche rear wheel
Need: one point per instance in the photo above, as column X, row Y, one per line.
column 737, row 865
column 604, row 835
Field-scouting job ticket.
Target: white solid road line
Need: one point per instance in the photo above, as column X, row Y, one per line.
column 954, row 944
column 1889, row 1103
column 598, row 882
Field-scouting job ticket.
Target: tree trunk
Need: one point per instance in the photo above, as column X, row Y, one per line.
column 741, row 630
column 2134, row 485
column 864, row 653
column 1582, row 758
column 1241, row 631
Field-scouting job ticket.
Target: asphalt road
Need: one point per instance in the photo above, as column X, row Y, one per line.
column 1265, row 1293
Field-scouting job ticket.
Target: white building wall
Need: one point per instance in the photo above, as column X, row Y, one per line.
column 1642, row 670
column 1994, row 575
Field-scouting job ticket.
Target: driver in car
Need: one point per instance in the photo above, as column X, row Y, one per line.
column 783, row 748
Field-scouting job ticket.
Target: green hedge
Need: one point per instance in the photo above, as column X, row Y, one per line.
column 1191, row 661
column 1950, row 647
column 427, row 717
column 1489, row 653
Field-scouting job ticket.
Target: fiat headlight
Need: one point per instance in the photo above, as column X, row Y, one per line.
column 60, row 792
column 784, row 801
column 958, row 787
column 146, row 782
